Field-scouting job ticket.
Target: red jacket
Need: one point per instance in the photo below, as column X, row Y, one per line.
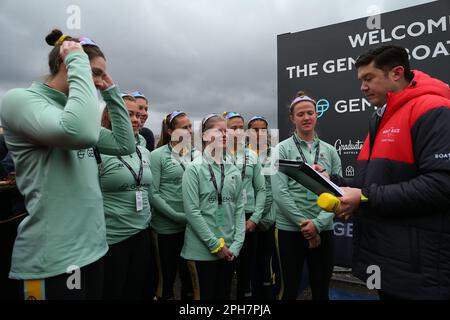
column 404, row 228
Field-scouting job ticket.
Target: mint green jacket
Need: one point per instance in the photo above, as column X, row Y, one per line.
column 168, row 211
column 119, row 195
column 254, row 183
column 205, row 227
column 294, row 203
column 268, row 216
column 51, row 136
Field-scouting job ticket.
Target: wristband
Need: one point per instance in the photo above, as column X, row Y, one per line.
column 221, row 245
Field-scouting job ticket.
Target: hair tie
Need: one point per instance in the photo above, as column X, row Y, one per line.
column 60, row 40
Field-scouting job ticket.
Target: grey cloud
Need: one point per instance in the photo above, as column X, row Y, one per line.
column 201, row 56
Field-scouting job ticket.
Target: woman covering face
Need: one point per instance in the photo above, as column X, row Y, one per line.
column 53, row 132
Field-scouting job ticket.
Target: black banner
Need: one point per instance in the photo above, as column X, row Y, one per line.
column 321, row 62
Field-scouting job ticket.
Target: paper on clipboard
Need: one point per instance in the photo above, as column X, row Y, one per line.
column 304, row 174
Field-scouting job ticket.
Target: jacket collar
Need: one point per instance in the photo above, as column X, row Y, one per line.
column 304, row 143
column 421, row 84
column 53, row 94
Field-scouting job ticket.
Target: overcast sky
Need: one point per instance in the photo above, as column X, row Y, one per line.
column 200, row 56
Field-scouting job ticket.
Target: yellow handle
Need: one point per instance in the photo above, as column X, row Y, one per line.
column 328, row 202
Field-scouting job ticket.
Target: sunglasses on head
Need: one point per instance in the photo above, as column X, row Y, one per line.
column 85, row 41
column 123, row 95
column 257, row 118
column 173, row 115
column 300, row 99
column 205, row 119
column 229, row 115
column 137, row 94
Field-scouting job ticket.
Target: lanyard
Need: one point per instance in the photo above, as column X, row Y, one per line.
column 214, row 181
column 266, row 158
column 177, row 157
column 297, row 143
column 244, row 166
column 138, row 138
column 137, row 177
column 97, row 156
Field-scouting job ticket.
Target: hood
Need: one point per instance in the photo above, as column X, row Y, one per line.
column 421, row 84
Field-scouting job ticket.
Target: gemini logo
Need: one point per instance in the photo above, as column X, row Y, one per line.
column 322, row 106
column 350, row 171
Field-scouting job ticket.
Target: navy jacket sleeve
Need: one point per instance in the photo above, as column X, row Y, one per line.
column 430, row 190
column 341, row 181
column 149, row 138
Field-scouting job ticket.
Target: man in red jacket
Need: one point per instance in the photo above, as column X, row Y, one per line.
column 400, row 196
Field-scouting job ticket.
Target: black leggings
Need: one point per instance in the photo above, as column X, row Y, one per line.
column 264, row 271
column 293, row 250
column 128, row 268
column 168, row 259
column 9, row 289
column 245, row 265
column 83, row 284
column 211, row 280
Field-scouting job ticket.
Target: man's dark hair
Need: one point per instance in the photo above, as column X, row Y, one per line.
column 386, row 58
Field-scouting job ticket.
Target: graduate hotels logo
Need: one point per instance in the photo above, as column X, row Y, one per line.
column 351, row 147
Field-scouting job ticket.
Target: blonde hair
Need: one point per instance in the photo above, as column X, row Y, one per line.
column 207, row 123
column 210, row 122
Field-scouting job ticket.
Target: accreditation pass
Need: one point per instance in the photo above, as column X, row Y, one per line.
column 139, row 201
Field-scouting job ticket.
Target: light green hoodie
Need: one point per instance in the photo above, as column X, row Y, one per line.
column 205, row 227
column 119, row 195
column 168, row 211
column 268, row 216
column 51, row 137
column 254, row 183
column 293, row 201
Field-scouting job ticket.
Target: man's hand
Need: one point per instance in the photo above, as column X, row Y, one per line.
column 308, row 229
column 349, row 202
column 250, row 226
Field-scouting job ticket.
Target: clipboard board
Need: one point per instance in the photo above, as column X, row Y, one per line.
column 304, row 174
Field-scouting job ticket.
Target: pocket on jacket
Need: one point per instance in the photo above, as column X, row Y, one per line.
column 397, row 243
